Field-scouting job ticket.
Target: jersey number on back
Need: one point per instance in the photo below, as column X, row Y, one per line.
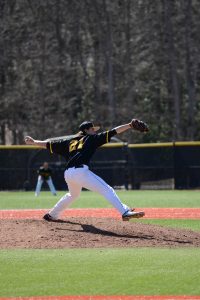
column 75, row 145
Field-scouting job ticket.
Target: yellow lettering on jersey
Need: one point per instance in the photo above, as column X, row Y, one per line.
column 80, row 144
column 75, row 144
column 72, row 145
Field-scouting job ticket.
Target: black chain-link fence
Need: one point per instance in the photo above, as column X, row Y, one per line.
column 149, row 166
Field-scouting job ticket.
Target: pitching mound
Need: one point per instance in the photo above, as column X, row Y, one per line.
column 92, row 233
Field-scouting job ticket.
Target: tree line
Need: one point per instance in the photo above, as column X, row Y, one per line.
column 65, row 61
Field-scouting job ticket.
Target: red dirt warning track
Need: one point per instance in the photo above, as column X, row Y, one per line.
column 150, row 213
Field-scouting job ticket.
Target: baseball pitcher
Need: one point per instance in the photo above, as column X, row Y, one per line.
column 78, row 150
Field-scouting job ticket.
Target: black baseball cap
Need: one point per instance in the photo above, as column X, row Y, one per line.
column 88, row 125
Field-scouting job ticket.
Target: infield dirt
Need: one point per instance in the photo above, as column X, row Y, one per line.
column 88, row 232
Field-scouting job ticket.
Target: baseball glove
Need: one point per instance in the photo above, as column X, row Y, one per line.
column 139, row 125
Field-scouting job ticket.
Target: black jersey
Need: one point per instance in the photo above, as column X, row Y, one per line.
column 45, row 173
column 79, row 150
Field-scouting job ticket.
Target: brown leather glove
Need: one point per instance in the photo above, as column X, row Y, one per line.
column 139, row 125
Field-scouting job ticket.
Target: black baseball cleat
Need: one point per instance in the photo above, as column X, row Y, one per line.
column 49, row 218
column 130, row 215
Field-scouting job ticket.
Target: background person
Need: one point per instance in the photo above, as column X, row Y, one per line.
column 44, row 174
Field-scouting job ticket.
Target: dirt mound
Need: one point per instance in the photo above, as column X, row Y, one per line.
column 92, row 233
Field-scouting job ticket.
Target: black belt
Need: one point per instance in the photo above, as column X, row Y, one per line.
column 76, row 167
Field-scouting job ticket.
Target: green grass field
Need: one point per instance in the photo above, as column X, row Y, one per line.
column 21, row 200
column 132, row 271
column 100, row 272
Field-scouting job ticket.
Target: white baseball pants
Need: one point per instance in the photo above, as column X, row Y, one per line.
column 76, row 179
column 40, row 183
